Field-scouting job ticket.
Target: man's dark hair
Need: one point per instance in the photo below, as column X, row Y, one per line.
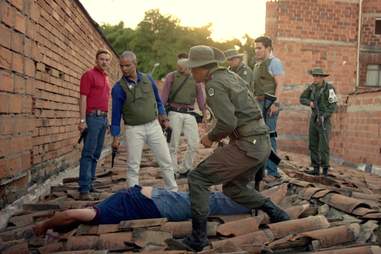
column 182, row 55
column 266, row 41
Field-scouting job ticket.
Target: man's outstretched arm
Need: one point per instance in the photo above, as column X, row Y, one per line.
column 65, row 218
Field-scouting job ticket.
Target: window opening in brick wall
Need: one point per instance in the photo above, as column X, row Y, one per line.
column 377, row 27
column 373, row 75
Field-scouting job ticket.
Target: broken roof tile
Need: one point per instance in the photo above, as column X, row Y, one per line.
column 240, row 227
column 353, row 250
column 115, row 241
column 182, row 228
column 301, row 198
column 51, row 247
column 82, row 242
column 19, row 248
column 307, row 193
column 295, row 211
column 259, row 237
column 301, row 183
column 277, row 193
column 329, row 237
column 143, row 237
column 130, row 224
column 343, row 203
column 284, row 228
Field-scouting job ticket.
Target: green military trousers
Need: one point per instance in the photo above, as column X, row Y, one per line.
column 234, row 168
column 319, row 143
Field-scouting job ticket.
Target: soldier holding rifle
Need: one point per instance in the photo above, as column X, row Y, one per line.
column 321, row 97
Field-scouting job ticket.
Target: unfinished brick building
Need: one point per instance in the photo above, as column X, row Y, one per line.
column 343, row 37
column 45, row 46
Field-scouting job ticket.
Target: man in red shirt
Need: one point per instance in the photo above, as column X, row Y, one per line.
column 95, row 93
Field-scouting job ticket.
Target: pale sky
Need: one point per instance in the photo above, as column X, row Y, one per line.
column 230, row 19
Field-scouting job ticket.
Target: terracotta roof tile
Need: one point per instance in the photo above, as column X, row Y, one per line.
column 323, row 210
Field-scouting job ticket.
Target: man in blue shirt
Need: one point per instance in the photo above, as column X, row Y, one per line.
column 140, row 203
column 268, row 76
column 135, row 98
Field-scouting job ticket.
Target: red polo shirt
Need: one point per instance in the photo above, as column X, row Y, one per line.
column 95, row 85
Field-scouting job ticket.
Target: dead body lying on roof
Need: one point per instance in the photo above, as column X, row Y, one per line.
column 141, row 203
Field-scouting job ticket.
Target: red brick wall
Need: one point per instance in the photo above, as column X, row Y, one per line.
column 370, row 49
column 45, row 46
column 371, row 9
column 309, row 33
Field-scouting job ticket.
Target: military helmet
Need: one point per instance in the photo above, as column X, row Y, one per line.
column 231, row 53
column 202, row 55
column 318, row 72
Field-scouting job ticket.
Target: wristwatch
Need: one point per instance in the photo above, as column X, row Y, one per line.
column 82, row 120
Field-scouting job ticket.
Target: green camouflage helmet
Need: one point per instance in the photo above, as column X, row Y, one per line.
column 202, row 55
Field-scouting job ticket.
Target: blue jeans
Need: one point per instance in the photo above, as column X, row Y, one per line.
column 92, row 148
column 176, row 205
column 271, row 122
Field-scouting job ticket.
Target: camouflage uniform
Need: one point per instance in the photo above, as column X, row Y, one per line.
column 324, row 98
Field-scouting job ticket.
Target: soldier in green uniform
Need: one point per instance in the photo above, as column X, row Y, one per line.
column 320, row 96
column 236, row 64
column 239, row 117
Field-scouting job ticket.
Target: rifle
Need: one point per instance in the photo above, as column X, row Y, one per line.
column 83, row 135
column 319, row 118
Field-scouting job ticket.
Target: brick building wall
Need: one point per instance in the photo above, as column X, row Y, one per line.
column 45, row 46
column 310, row 33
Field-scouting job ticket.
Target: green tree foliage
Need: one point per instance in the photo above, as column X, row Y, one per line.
column 159, row 38
column 248, row 47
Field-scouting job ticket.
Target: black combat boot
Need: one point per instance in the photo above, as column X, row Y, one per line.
column 314, row 172
column 325, row 171
column 196, row 241
column 275, row 213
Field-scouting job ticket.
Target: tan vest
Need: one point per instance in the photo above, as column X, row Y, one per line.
column 264, row 82
column 187, row 93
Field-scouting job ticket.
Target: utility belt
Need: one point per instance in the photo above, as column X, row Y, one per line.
column 97, row 112
column 247, row 130
column 185, row 110
column 180, row 110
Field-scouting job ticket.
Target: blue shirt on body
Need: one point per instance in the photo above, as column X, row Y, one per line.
column 275, row 67
column 119, row 97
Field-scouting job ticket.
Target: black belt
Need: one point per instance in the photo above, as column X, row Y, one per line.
column 181, row 110
column 97, row 113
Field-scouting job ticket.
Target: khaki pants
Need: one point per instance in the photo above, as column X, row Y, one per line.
column 231, row 166
column 151, row 134
column 186, row 123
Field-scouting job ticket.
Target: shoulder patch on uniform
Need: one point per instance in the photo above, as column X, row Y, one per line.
column 332, row 98
column 211, row 91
